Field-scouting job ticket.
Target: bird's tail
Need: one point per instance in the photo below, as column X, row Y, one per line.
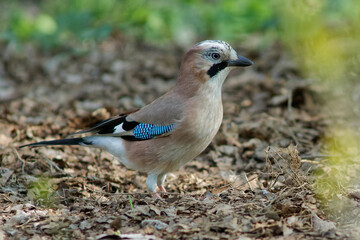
column 68, row 141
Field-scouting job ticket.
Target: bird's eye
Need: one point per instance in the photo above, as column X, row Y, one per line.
column 215, row 56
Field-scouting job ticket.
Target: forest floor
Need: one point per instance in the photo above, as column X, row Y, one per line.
column 255, row 180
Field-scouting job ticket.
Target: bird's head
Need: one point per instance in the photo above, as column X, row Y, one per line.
column 210, row 60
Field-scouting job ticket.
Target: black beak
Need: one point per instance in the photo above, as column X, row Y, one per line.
column 240, row 62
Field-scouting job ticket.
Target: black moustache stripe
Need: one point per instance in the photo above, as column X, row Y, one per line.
column 217, row 68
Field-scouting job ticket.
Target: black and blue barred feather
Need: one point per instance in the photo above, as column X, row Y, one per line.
column 145, row 131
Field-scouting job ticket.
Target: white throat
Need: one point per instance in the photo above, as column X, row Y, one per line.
column 215, row 83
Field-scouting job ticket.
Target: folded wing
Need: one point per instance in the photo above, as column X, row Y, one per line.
column 123, row 126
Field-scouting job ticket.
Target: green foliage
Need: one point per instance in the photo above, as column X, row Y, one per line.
column 131, row 203
column 52, row 27
column 322, row 36
column 181, row 21
column 68, row 22
column 42, row 191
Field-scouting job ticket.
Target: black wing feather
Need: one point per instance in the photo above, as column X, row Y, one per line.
column 108, row 126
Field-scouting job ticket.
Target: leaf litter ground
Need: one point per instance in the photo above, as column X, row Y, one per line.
column 253, row 181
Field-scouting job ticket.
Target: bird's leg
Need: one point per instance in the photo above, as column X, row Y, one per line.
column 160, row 182
column 151, row 185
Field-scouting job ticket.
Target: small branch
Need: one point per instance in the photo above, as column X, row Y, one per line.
column 247, row 180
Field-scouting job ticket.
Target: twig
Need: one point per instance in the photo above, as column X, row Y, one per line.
column 247, row 180
column 232, row 140
column 55, row 165
column 309, row 161
column 317, row 156
column 22, row 160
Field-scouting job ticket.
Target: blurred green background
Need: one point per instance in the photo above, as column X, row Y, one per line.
column 59, row 23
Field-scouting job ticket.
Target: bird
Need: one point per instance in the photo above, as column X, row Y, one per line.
column 162, row 136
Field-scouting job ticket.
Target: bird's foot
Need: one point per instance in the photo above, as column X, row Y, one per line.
column 162, row 189
column 157, row 196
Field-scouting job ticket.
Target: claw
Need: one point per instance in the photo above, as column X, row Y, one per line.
column 162, row 189
column 157, row 195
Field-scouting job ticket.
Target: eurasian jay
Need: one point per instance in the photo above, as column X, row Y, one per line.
column 172, row 130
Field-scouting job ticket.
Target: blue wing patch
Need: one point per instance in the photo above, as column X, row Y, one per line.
column 145, row 131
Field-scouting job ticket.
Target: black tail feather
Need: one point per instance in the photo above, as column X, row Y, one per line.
column 69, row 141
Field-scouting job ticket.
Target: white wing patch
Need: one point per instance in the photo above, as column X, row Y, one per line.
column 119, row 128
